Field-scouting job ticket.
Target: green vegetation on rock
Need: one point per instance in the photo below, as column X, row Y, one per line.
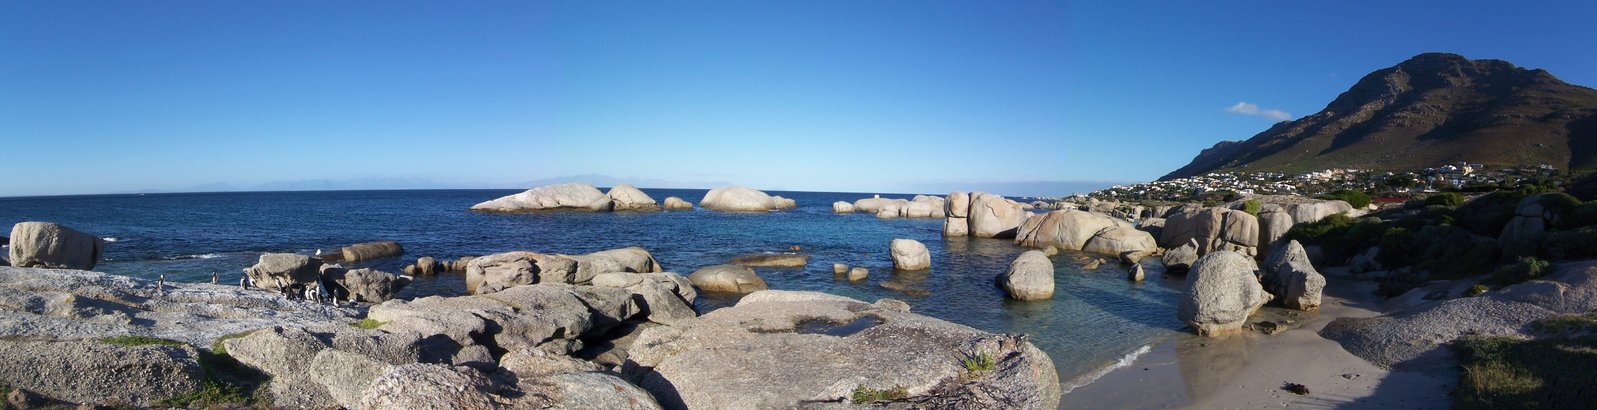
column 864, row 394
column 136, row 341
column 977, row 363
column 1251, row 206
column 1358, row 199
column 1445, row 199
column 369, row 323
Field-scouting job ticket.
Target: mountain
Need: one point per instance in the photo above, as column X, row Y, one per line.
column 1431, row 110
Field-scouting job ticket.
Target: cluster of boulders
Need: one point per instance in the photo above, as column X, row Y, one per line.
column 742, row 199
column 301, row 276
column 921, row 206
column 1086, row 231
column 573, row 196
column 983, row 215
column 428, row 266
column 491, row 273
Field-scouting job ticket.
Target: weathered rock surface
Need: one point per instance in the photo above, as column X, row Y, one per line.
column 772, row 260
column 624, row 197
column 372, row 250
column 1530, row 218
column 1065, row 229
column 1222, row 291
column 574, row 196
column 431, row 386
column 956, row 227
column 1121, row 240
column 665, row 298
column 910, row 254
column 741, row 199
column 993, row 216
column 723, row 360
column 841, row 207
column 1029, row 277
column 1416, row 338
column 49, row 245
column 727, row 278
column 1214, row 229
column 1290, row 276
column 92, row 371
column 280, row 271
column 677, row 204
column 1181, row 258
column 369, row 285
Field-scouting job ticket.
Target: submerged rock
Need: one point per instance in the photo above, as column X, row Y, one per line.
column 49, row 245
column 778, row 260
column 727, row 278
column 723, row 360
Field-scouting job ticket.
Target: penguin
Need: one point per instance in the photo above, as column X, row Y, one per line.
column 160, row 284
column 214, row 277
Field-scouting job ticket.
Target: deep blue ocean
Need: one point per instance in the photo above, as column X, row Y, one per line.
column 1095, row 318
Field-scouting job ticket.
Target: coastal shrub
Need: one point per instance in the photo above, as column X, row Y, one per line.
column 1571, row 244
column 1399, row 282
column 1571, row 325
column 367, row 323
column 212, row 394
column 1526, row 268
column 1311, row 233
column 1476, row 290
column 1445, row 199
column 977, row 363
column 1488, row 214
column 1251, row 207
column 1501, row 372
column 135, row 341
column 864, row 394
column 1358, row 199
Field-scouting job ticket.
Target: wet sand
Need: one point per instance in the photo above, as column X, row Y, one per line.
column 1248, row 370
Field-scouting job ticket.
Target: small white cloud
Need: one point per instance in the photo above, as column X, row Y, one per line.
column 1244, row 108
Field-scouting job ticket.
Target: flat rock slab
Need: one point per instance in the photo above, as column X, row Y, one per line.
column 783, row 349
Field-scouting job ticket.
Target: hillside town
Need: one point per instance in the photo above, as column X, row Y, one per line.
column 1222, row 186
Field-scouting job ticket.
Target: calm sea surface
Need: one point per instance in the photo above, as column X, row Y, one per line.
column 1095, row 318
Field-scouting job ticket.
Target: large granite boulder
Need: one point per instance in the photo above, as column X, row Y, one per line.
column 370, row 285
column 626, row 197
column 1274, row 223
column 956, row 227
column 1029, row 277
column 677, row 204
column 101, row 373
column 1310, row 212
column 993, row 216
column 1121, row 240
column 492, row 273
column 630, row 259
column 281, row 271
column 727, row 278
column 958, row 205
column 371, row 250
column 663, row 297
column 1530, row 218
column 741, row 199
column 1064, row 229
column 910, row 254
column 431, row 386
column 723, row 360
column 1292, row 279
column 575, row 196
column 841, row 207
column 1214, row 228
column 1181, row 257
column 49, row 245
column 1222, row 291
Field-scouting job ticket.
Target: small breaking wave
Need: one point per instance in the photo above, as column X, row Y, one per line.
column 1093, row 376
column 111, row 239
column 196, row 256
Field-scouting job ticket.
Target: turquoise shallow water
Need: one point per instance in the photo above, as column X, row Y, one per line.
column 1095, row 318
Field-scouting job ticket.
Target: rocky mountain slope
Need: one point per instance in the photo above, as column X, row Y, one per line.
column 1431, row 110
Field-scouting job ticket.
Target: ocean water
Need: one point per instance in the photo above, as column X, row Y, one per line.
column 1095, row 320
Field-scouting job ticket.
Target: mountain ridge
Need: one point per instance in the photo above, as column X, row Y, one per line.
column 1430, row 110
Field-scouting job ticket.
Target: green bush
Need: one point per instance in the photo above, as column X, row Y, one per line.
column 864, row 394
column 1501, row 372
column 1488, row 214
column 1445, row 199
column 135, row 341
column 1476, row 290
column 1251, row 206
column 1314, row 232
column 1358, row 199
column 368, row 323
column 1572, row 244
column 1526, row 269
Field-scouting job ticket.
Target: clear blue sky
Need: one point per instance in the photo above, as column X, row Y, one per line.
column 99, row 96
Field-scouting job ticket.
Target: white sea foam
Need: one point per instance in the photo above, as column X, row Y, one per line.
column 196, row 256
column 1093, row 376
column 110, row 239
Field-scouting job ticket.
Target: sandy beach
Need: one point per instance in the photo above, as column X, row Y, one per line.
column 1248, row 370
